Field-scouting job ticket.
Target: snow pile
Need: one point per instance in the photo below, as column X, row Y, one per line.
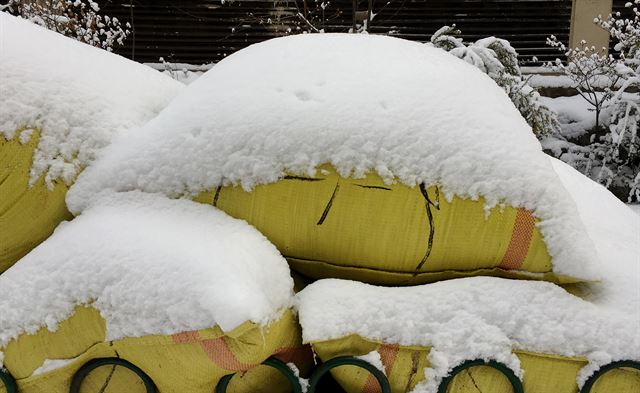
column 615, row 231
column 150, row 265
column 80, row 97
column 486, row 317
column 409, row 112
column 574, row 115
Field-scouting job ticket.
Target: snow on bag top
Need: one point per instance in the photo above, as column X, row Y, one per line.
column 470, row 318
column 150, row 265
column 78, row 96
column 409, row 112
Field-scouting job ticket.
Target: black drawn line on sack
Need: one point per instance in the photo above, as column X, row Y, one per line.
column 302, row 178
column 432, row 231
column 216, row 196
column 328, row 207
column 108, row 380
column 5, row 178
column 375, row 187
column 473, row 380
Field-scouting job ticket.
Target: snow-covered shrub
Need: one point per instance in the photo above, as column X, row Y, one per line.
column 624, row 145
column 609, row 153
column 592, row 72
column 78, row 19
column 498, row 59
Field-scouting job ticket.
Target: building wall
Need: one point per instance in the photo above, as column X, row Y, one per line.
column 582, row 26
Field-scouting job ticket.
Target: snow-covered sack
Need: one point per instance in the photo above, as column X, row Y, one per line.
column 150, row 265
column 77, row 96
column 407, row 112
column 489, row 318
column 61, row 102
column 465, row 319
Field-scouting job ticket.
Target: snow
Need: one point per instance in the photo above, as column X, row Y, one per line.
column 52, row 364
column 573, row 113
column 80, row 97
column 409, row 112
column 304, row 383
column 150, row 265
column 550, row 80
column 615, row 230
column 374, row 359
column 547, row 77
column 182, row 72
column 486, row 317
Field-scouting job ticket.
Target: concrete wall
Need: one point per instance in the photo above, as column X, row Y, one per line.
column 582, row 26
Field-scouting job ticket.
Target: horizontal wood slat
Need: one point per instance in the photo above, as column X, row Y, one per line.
column 199, row 32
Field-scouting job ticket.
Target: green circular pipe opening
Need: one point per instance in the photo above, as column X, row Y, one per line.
column 348, row 361
column 91, row 365
column 8, row 381
column 606, row 368
column 506, row 371
column 271, row 362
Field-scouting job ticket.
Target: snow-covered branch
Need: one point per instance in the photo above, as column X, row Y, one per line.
column 79, row 19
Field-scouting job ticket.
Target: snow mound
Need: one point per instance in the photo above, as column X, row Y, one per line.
column 80, row 97
column 150, row 265
column 410, row 112
column 615, row 231
column 470, row 318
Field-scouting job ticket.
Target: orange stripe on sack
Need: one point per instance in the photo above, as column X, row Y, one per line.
column 520, row 240
column 219, row 353
column 372, row 385
column 388, row 355
column 185, row 337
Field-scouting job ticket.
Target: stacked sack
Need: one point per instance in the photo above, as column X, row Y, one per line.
column 360, row 158
column 149, row 291
column 389, row 162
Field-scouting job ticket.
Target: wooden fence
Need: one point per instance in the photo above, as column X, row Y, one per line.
column 200, row 32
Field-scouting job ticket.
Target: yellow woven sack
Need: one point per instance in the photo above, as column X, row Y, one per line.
column 366, row 230
column 188, row 362
column 28, row 215
column 404, row 366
